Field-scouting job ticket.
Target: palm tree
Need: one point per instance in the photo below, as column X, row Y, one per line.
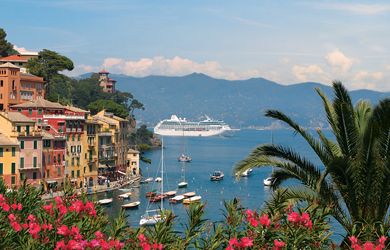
column 356, row 175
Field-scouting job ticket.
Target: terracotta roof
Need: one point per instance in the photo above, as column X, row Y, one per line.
column 13, row 58
column 47, row 135
column 74, row 109
column 103, row 72
column 5, row 140
column 132, row 151
column 16, row 117
column 111, row 80
column 9, row 65
column 109, row 84
column 40, row 103
column 103, row 119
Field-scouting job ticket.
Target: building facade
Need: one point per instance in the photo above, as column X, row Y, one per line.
column 107, row 83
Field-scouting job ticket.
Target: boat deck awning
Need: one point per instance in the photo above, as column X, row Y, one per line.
column 51, row 181
column 102, row 177
column 121, row 172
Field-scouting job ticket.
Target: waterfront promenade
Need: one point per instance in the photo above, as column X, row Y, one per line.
column 99, row 188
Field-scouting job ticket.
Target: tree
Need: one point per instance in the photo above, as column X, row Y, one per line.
column 109, row 106
column 6, row 47
column 48, row 65
column 356, row 178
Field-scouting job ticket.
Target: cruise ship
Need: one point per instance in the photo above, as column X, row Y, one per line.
column 179, row 127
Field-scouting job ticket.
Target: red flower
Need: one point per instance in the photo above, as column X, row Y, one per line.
column 74, row 230
column 31, row 217
column 63, row 209
column 73, row 245
column 254, row 222
column 142, row 238
column 264, row 220
column 17, row 227
column 368, row 246
column 159, row 246
column 294, row 217
column 14, row 206
column 60, row 244
column 25, row 226
column 98, row 235
column 278, row 244
column 245, row 242
column 19, row 206
column 233, row 242
column 34, row 228
column 48, row 208
column 5, row 207
column 63, row 230
column 249, row 213
column 146, row 246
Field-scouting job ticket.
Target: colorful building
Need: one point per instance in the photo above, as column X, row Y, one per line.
column 107, row 83
column 23, row 130
column 91, row 143
column 132, row 162
column 9, row 158
column 17, row 87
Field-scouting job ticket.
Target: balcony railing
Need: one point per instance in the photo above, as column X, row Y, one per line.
column 111, row 158
column 79, row 130
column 29, row 166
column 30, row 133
column 66, row 117
column 93, row 159
column 105, row 134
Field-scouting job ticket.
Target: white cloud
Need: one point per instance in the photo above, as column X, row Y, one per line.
column 21, row 49
column 339, row 61
column 310, row 73
column 366, row 80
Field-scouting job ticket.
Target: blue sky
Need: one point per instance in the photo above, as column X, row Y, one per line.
column 284, row 41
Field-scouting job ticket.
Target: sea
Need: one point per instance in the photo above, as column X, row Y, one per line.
column 211, row 154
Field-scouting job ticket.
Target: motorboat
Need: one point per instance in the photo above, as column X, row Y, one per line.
column 268, row 181
column 170, row 193
column 136, row 186
column 124, row 196
column 158, row 179
column 184, row 158
column 194, row 199
column 149, row 220
column 182, row 184
column 131, row 205
column 150, row 179
column 151, row 193
column 217, row 176
column 246, row 172
column 105, row 201
column 189, row 194
column 177, row 199
column 125, row 189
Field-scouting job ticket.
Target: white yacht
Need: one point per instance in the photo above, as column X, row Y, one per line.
column 179, row 127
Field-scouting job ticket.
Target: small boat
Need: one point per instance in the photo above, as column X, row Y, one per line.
column 177, row 199
column 217, row 176
column 125, row 189
column 147, row 180
column 246, row 172
column 157, row 198
column 194, row 199
column 136, row 186
column 190, row 194
column 268, row 181
column 151, row 193
column 158, row 179
column 149, row 220
column 184, row 158
column 131, row 205
column 182, row 184
column 124, row 196
column 170, row 193
column 105, row 201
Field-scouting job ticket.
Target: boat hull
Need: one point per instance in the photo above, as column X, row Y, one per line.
column 182, row 184
column 131, row 205
column 204, row 133
column 194, row 199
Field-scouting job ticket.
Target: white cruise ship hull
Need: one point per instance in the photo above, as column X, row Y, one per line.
column 208, row 133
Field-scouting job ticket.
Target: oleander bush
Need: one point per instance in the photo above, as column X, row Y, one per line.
column 75, row 222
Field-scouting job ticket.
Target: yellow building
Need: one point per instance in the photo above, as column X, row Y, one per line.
column 9, row 157
column 90, row 143
column 132, row 162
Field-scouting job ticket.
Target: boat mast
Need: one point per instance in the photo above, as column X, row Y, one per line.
column 182, row 150
column 162, row 171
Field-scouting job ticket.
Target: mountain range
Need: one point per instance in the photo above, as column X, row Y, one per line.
column 240, row 103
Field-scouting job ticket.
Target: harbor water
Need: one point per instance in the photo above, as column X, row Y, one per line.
column 210, row 154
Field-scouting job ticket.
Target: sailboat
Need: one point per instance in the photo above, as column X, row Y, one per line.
column 183, row 157
column 270, row 179
column 183, row 183
column 148, row 219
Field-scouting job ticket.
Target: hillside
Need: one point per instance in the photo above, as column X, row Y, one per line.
column 239, row 103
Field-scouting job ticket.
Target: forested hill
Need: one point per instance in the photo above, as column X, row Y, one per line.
column 239, row 103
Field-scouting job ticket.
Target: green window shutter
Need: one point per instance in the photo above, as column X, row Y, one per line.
column 18, row 128
column 13, row 168
column 34, row 175
column 35, row 144
column 59, row 171
column 20, row 110
column 39, row 111
column 30, row 112
column 35, row 162
column 72, row 173
column 13, row 180
column 73, row 138
column 67, row 138
column 85, row 155
column 13, row 151
column 78, row 138
column 54, row 158
column 48, row 173
column 90, row 168
column 59, row 157
column 1, row 168
column 1, row 152
column 21, row 162
column 78, row 173
column 21, row 144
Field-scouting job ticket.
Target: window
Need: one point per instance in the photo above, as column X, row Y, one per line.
column 72, row 173
column 55, row 144
column 21, row 162
column 1, row 168
column 22, row 176
column 59, row 171
column 30, row 112
column 13, row 180
column 13, row 168
column 1, row 83
column 59, row 157
column 78, row 173
column 35, row 144
column 18, row 128
column 78, row 138
column 85, row 170
column 1, row 152
column 48, row 159
column 35, row 162
column 20, row 110
column 78, row 161
column 63, row 157
column 72, row 161
column 21, row 144
column 29, row 86
column 54, row 159
column 86, row 116
column 90, row 168
column 24, row 85
column 34, row 175
column 67, row 138
column 13, row 151
column 73, row 138
column 85, row 155
column 39, row 111
column 62, row 144
column 48, row 173
column 43, row 159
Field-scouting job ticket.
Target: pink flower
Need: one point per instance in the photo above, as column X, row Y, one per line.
column 95, row 243
column 146, row 246
column 14, row 206
column 11, row 217
column 254, row 222
column 73, row 245
column 278, row 244
column 5, row 207
column 245, row 242
column 294, row 217
column 368, row 246
column 159, row 246
column 58, row 200
column 25, row 225
column 249, row 213
column 142, row 238
column 50, row 227
column 48, row 208
column 31, row 217
column 60, row 244
column 1, row 199
column 233, row 242
column 98, row 235
column 63, row 209
column 34, row 228
column 74, row 230
column 63, row 230
column 17, row 227
column 44, row 226
column 264, row 220
column 19, row 206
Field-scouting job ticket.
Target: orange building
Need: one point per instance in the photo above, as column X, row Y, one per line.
column 17, row 87
column 107, row 83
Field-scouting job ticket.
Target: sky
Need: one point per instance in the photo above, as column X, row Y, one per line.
column 287, row 42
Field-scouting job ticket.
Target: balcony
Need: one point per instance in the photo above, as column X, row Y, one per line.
column 30, row 166
column 91, row 145
column 60, row 136
column 111, row 158
column 92, row 160
column 73, row 130
column 79, row 130
column 66, row 117
column 31, row 133
column 105, row 134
